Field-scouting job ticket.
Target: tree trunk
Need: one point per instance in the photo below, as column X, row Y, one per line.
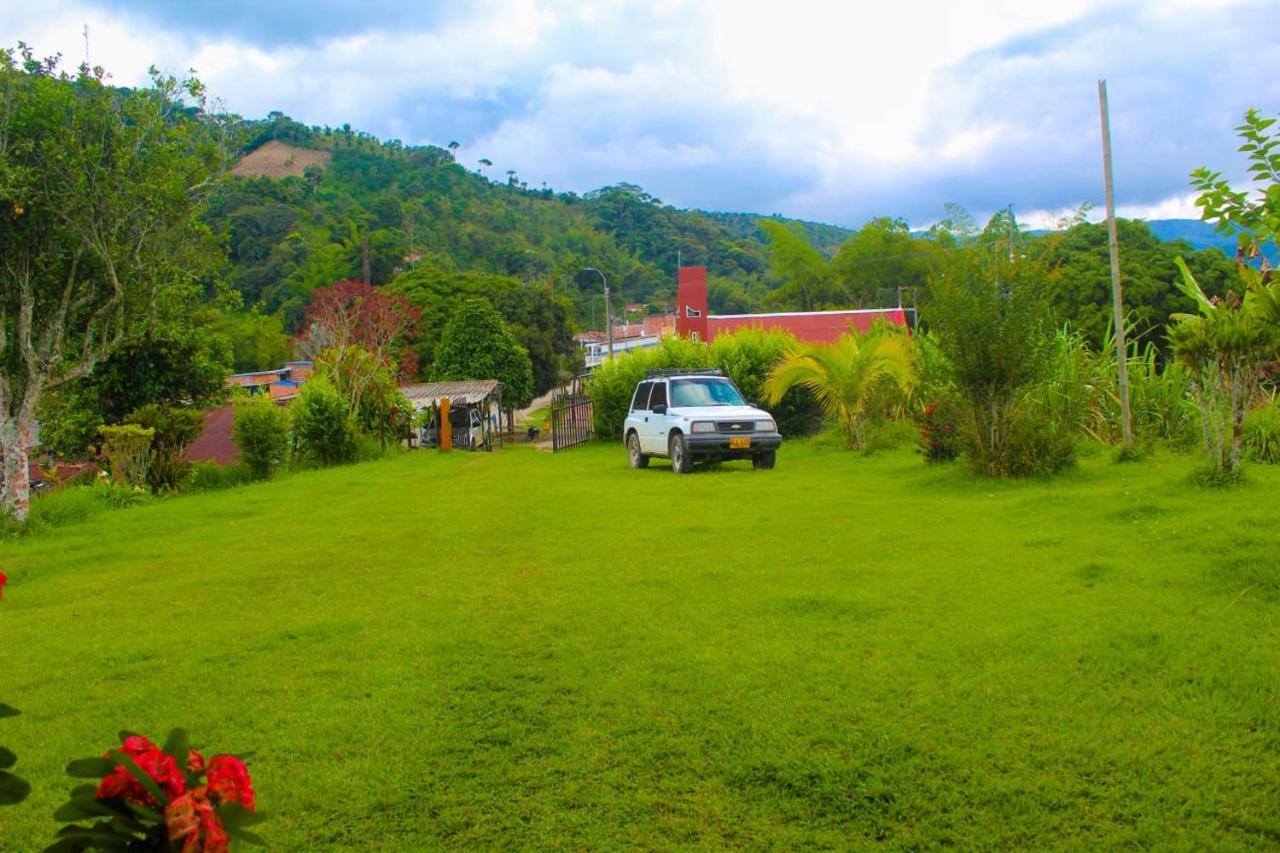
column 15, row 497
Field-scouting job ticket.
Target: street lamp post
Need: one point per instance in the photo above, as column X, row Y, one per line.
column 608, row 317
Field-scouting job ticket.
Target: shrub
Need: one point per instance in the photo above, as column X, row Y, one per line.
column 1036, row 446
column 939, row 429
column 747, row 356
column 858, row 380
column 323, row 427
column 210, row 476
column 173, row 429
column 261, row 433
column 993, row 324
column 67, row 506
column 1262, row 432
column 128, row 451
column 614, row 382
column 116, row 496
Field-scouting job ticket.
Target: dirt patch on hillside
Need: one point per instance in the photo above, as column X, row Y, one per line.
column 277, row 159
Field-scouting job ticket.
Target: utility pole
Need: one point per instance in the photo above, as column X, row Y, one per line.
column 86, row 47
column 608, row 320
column 1117, row 302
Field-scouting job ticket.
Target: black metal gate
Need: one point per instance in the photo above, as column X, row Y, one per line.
column 570, row 421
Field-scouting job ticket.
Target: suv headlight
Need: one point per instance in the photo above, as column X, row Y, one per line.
column 766, row 426
column 704, row 426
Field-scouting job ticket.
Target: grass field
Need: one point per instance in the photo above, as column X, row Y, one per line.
column 526, row 650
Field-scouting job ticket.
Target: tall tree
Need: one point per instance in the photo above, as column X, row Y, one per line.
column 478, row 345
column 880, row 258
column 353, row 313
column 805, row 273
column 99, row 188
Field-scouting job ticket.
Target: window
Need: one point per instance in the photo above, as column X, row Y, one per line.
column 641, row 400
column 659, row 397
column 704, row 392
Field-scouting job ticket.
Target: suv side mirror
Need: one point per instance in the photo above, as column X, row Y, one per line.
column 660, row 409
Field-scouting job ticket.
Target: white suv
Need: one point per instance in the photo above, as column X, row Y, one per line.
column 688, row 414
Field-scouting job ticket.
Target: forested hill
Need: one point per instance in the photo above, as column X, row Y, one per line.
column 312, row 206
column 291, row 228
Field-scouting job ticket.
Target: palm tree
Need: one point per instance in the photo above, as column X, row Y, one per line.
column 848, row 376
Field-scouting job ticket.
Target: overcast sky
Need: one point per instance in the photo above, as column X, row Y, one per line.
column 835, row 111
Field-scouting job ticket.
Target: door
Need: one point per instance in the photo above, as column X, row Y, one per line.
column 638, row 417
column 656, row 425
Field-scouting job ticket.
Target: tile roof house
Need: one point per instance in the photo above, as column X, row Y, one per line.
column 215, row 443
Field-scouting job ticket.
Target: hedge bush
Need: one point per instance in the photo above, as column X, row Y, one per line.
column 747, row 356
column 261, row 432
column 323, row 427
column 614, row 381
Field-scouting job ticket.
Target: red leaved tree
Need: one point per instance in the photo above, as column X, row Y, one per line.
column 351, row 313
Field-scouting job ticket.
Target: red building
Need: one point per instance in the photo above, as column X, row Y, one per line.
column 819, row 327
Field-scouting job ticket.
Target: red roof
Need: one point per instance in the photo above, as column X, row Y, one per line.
column 818, row 327
column 215, row 444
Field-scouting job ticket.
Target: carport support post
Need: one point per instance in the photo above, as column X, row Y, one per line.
column 446, row 428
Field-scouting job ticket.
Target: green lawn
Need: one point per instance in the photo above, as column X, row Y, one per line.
column 521, row 649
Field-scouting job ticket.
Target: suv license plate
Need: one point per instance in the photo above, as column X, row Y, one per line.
column 739, row 443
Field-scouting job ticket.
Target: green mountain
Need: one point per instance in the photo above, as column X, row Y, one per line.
column 1197, row 232
column 385, row 209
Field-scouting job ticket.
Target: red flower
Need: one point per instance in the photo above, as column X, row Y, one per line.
column 229, row 780
column 195, row 761
column 4, row 579
column 159, row 765
column 192, row 820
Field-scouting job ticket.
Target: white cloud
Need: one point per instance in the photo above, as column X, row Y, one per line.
column 814, row 109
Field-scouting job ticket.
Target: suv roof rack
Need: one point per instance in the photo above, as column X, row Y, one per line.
column 656, row 372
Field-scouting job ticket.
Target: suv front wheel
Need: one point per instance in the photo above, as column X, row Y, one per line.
column 634, row 456
column 681, row 459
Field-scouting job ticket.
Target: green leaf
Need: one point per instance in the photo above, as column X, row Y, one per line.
column 1191, row 287
column 178, row 744
column 141, row 776
column 12, row 789
column 8, row 711
column 100, row 836
column 82, row 808
column 7, row 758
column 145, row 812
column 90, row 768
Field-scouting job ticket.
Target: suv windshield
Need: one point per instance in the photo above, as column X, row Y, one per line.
column 704, row 392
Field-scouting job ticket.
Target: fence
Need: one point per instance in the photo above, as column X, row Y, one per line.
column 570, row 421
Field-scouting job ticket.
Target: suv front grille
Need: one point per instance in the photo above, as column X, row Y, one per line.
column 735, row 426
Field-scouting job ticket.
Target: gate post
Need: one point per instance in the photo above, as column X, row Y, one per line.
column 446, row 428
